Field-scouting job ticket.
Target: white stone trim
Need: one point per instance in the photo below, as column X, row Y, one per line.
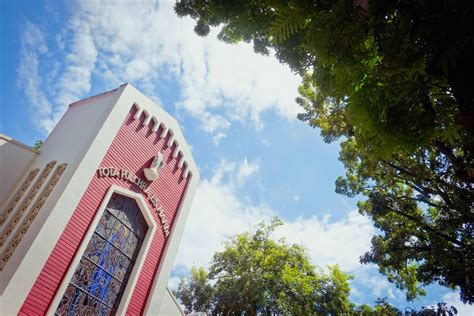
column 168, row 123
column 176, row 149
column 159, row 285
column 138, row 113
column 181, row 162
column 156, row 125
column 164, row 131
column 185, row 171
column 170, row 138
column 175, row 302
column 20, row 144
column 147, row 120
column 132, row 281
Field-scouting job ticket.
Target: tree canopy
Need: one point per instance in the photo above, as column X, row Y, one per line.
column 390, row 80
column 256, row 274
column 196, row 294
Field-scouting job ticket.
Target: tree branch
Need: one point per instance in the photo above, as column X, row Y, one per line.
column 428, row 228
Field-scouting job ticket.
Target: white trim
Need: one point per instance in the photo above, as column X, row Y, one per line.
column 147, row 120
column 20, row 144
column 132, row 281
column 181, row 162
column 176, row 148
column 157, row 124
column 185, row 171
column 146, row 116
column 173, row 299
column 138, row 113
column 164, row 131
column 160, row 282
column 171, row 138
column 83, row 150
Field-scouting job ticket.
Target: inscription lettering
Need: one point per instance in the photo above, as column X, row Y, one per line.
column 126, row 175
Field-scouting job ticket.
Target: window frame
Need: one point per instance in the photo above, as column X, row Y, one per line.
column 132, row 281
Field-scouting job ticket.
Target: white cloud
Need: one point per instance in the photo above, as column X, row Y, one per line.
column 369, row 282
column 75, row 80
column 33, row 46
column 147, row 44
column 331, row 242
column 265, row 142
column 219, row 210
column 246, row 170
column 452, row 299
column 216, row 139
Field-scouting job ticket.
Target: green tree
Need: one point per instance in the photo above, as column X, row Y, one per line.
column 424, row 216
column 37, row 145
column 196, row 294
column 441, row 309
column 256, row 274
column 382, row 307
column 390, row 80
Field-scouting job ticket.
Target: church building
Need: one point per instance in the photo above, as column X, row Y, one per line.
column 90, row 224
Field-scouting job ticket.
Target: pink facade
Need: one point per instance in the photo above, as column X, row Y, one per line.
column 133, row 148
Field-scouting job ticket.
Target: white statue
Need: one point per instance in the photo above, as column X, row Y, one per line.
column 152, row 173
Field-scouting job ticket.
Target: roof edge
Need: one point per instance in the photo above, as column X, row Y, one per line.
column 93, row 97
column 18, row 143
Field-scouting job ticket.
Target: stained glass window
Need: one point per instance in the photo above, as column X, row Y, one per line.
column 102, row 274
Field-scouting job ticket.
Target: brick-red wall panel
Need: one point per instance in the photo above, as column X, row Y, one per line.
column 133, row 148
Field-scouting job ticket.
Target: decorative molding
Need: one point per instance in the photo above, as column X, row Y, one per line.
column 137, row 114
column 7, row 253
column 176, row 149
column 18, row 195
column 181, row 162
column 147, row 119
column 156, row 126
column 27, row 201
column 170, row 138
column 176, row 153
column 164, row 131
column 187, row 173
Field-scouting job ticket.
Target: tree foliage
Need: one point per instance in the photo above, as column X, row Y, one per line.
column 38, row 144
column 391, row 81
column 196, row 294
column 256, row 274
column 382, row 307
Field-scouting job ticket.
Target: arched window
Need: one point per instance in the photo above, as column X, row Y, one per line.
column 102, row 274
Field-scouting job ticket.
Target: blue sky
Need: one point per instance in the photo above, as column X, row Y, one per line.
column 236, row 109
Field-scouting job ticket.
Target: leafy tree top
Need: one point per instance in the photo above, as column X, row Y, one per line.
column 255, row 274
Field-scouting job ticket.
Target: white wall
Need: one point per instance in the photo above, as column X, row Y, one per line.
column 170, row 307
column 15, row 157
